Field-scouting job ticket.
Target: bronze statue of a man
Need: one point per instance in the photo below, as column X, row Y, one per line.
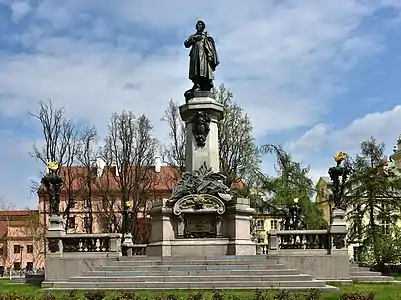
column 203, row 58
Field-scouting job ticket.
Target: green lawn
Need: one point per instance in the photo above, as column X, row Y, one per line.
column 382, row 292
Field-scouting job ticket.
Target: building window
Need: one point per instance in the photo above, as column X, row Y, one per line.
column 72, row 203
column 87, row 223
column 94, row 171
column 17, row 249
column 17, row 266
column 1, row 251
column 29, row 266
column 356, row 228
column 86, row 203
column 273, row 224
column 29, row 249
column 385, row 227
column 260, row 224
column 71, row 223
column 357, row 251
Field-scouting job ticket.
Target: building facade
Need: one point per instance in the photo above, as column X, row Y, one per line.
column 21, row 240
column 90, row 201
column 323, row 188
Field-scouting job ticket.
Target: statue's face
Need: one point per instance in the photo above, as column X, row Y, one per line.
column 200, row 27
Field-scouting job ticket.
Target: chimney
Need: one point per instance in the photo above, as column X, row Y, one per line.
column 100, row 164
column 158, row 164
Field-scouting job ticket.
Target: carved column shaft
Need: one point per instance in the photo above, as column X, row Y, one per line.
column 201, row 116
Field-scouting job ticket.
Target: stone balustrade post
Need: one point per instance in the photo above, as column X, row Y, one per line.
column 115, row 243
column 54, row 235
column 338, row 230
column 273, row 240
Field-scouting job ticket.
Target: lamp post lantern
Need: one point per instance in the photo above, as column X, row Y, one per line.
column 339, row 175
column 53, row 183
column 295, row 212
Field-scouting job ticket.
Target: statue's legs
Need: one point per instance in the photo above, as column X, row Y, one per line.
column 205, row 84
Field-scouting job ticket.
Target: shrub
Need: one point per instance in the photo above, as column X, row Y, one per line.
column 357, row 296
column 72, row 295
column 95, row 295
column 47, row 296
column 258, row 295
column 127, row 295
column 283, row 295
column 313, row 295
column 217, row 295
column 196, row 296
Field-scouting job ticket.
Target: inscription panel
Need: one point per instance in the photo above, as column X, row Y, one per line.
column 202, row 225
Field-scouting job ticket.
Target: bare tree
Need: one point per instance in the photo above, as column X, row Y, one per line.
column 35, row 232
column 7, row 255
column 238, row 153
column 60, row 144
column 174, row 151
column 239, row 156
column 131, row 148
column 86, row 156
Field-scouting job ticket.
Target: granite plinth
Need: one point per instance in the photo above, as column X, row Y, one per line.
column 195, row 155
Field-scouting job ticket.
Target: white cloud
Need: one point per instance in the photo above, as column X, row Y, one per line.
column 284, row 62
column 384, row 126
column 19, row 10
column 280, row 60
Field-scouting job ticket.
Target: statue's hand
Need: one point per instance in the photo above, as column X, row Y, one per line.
column 197, row 37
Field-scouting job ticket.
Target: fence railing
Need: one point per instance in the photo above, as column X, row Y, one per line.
column 92, row 243
column 299, row 239
column 83, row 242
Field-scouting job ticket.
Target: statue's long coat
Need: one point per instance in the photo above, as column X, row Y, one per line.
column 203, row 57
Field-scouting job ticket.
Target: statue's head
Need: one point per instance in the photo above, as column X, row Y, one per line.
column 200, row 26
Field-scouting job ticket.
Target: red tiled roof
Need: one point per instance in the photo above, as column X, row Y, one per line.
column 165, row 180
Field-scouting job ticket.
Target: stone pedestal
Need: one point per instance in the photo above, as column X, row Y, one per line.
column 54, row 234
column 338, row 230
column 233, row 233
column 196, row 155
column 128, row 244
column 237, row 226
column 162, row 229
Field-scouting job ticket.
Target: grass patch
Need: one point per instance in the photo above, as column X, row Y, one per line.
column 381, row 291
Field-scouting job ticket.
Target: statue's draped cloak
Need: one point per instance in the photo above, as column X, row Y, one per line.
column 203, row 57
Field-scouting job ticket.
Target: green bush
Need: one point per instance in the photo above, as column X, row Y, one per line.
column 357, row 296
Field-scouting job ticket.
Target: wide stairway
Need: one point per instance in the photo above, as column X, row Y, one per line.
column 363, row 274
column 227, row 272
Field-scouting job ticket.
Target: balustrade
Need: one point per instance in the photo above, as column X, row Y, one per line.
column 70, row 243
column 299, row 239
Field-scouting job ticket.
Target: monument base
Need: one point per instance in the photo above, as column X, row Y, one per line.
column 234, row 228
column 190, row 247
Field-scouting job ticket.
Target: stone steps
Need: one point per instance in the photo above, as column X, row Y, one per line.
column 187, row 268
column 266, row 272
column 229, row 272
column 192, row 262
column 296, row 285
column 363, row 274
column 191, row 278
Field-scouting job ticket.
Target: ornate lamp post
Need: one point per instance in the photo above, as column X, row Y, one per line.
column 338, row 175
column 53, row 183
column 127, row 244
column 295, row 212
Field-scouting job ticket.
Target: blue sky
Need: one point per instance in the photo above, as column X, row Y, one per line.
column 315, row 76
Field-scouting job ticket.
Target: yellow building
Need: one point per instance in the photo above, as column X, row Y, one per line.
column 266, row 220
column 323, row 188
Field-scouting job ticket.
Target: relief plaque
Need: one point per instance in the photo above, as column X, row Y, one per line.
column 200, row 226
